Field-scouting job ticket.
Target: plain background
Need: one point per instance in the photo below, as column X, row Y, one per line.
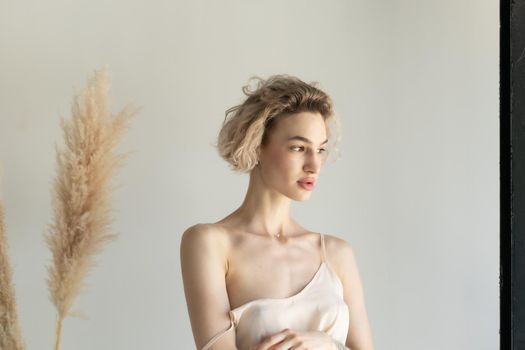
column 415, row 191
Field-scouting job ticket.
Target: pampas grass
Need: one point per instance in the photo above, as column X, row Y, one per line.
column 10, row 336
column 81, row 193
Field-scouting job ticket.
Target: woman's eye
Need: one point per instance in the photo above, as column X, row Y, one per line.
column 321, row 150
column 297, row 148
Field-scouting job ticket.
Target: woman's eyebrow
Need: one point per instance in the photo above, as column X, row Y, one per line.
column 304, row 139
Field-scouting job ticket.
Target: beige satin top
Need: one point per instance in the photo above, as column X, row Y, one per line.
column 318, row 306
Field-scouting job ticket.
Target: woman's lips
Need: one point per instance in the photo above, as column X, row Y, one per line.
column 306, row 185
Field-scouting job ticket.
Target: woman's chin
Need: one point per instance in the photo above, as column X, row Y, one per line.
column 302, row 196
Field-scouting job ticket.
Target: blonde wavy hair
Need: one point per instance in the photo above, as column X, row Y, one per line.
column 246, row 126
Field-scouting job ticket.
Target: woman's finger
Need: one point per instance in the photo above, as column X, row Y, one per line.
column 273, row 339
column 291, row 341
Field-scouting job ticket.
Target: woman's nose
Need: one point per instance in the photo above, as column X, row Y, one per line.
column 313, row 162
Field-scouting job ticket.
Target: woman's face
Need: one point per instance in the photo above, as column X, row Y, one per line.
column 291, row 160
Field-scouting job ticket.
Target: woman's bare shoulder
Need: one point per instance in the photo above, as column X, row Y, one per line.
column 339, row 252
column 203, row 229
column 337, row 245
column 204, row 236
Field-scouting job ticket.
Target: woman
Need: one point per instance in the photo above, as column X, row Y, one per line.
column 256, row 279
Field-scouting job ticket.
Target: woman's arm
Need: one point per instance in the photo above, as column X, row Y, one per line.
column 203, row 264
column 359, row 332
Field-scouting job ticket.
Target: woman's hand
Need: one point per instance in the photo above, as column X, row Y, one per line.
column 288, row 339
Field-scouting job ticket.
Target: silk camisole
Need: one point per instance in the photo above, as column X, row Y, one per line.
column 318, row 306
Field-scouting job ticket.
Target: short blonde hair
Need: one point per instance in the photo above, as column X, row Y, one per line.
column 246, row 126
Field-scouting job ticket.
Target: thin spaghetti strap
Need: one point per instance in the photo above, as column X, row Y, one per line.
column 217, row 336
column 323, row 254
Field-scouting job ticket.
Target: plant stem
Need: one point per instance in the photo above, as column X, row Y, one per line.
column 58, row 330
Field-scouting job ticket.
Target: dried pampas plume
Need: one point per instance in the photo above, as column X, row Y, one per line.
column 81, row 193
column 10, row 337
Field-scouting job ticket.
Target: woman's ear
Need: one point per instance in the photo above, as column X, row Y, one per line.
column 258, row 154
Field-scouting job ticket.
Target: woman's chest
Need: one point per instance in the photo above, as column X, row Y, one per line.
column 267, row 272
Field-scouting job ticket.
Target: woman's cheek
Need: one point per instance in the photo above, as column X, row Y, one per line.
column 288, row 162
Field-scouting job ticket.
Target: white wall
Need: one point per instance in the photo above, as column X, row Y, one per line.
column 415, row 192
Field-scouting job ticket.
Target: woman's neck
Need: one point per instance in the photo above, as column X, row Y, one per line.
column 264, row 211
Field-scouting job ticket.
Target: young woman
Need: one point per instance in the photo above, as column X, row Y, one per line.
column 256, row 279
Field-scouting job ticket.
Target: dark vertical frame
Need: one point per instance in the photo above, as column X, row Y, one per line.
column 512, row 174
column 505, row 176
